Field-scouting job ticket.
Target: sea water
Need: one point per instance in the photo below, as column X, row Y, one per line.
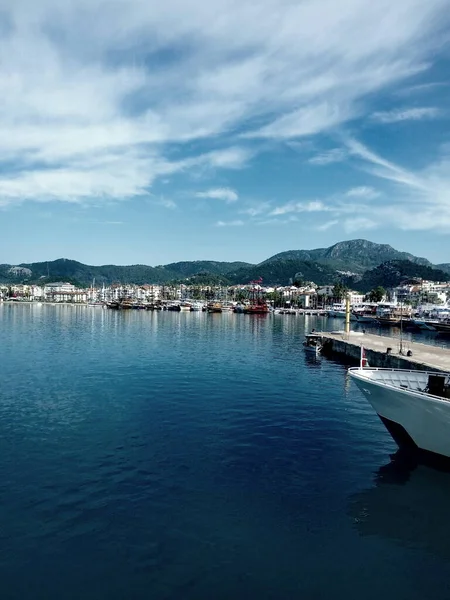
column 196, row 456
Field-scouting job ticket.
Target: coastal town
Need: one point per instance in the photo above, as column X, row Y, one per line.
column 413, row 296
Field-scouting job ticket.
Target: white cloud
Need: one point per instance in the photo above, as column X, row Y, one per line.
column 327, row 225
column 358, row 224
column 418, row 200
column 366, row 192
column 235, row 223
column 167, row 203
column 226, row 194
column 95, row 94
column 328, row 157
column 276, row 221
column 256, row 209
column 299, row 207
column 407, row 114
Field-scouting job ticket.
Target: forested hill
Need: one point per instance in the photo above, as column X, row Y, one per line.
column 361, row 263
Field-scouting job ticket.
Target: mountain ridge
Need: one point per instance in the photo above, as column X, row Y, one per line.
column 347, row 261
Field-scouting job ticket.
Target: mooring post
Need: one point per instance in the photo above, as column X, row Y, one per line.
column 347, row 316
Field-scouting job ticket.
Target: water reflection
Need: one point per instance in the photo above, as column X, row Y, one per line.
column 311, row 360
column 409, row 504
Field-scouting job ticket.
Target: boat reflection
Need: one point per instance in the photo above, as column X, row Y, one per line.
column 313, row 360
column 409, row 504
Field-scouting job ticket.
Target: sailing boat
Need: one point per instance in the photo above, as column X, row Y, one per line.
column 258, row 305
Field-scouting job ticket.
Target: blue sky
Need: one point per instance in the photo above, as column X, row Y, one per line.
column 148, row 132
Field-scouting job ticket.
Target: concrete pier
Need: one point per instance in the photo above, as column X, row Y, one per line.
column 383, row 351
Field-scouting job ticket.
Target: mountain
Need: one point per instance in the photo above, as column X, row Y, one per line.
column 283, row 272
column 81, row 274
column 353, row 255
column 321, row 265
column 392, row 273
column 444, row 267
column 195, row 267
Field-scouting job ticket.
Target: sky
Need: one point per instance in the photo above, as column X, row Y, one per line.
column 150, row 132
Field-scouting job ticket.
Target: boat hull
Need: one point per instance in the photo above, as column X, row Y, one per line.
column 425, row 325
column 314, row 350
column 413, row 419
column 365, row 319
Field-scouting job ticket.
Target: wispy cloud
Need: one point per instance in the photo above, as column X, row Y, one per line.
column 226, row 194
column 382, row 167
column 299, row 207
column 327, row 225
column 167, row 203
column 421, row 88
column 419, row 200
column 258, row 209
column 358, row 224
column 406, row 114
column 235, row 223
column 330, row 156
column 366, row 192
column 101, row 119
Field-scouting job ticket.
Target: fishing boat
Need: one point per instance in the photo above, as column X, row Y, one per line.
column 414, row 406
column 313, row 343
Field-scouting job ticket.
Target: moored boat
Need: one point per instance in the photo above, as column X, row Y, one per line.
column 256, row 304
column 313, row 343
column 425, row 325
column 413, row 405
column 257, row 308
column 196, row 306
column 214, row 307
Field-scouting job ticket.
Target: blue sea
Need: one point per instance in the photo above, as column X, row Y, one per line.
column 193, row 456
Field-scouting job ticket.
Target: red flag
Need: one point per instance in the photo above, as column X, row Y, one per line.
column 363, row 361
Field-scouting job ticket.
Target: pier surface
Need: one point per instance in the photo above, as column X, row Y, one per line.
column 423, row 356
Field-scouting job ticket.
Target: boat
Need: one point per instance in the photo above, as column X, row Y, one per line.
column 257, row 304
column 227, row 306
column 414, row 406
column 196, row 306
column 337, row 311
column 313, row 343
column 174, row 307
column 365, row 318
column 257, row 308
column 214, row 307
column 424, row 325
column 442, row 326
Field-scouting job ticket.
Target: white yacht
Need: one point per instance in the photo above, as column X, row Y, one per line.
column 337, row 311
column 413, row 405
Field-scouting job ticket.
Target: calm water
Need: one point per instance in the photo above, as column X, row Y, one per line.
column 192, row 456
